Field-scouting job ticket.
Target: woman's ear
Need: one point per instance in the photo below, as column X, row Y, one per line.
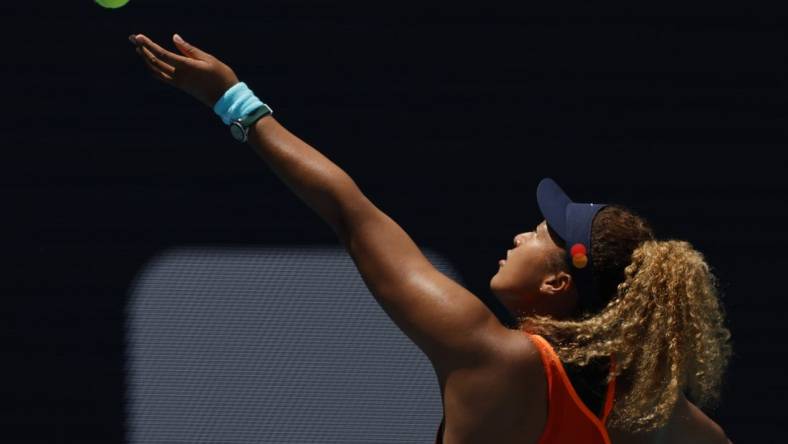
column 556, row 283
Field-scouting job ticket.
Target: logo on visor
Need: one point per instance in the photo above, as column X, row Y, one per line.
column 579, row 258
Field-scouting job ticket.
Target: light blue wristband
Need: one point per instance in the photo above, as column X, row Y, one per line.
column 236, row 102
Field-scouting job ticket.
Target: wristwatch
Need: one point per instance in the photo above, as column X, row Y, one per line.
column 240, row 128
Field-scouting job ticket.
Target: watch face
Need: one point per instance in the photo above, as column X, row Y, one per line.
column 237, row 132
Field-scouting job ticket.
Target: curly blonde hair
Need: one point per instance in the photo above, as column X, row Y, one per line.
column 662, row 321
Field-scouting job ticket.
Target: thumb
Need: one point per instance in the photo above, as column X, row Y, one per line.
column 188, row 49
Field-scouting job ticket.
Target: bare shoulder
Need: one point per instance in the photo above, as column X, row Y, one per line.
column 695, row 426
column 501, row 394
column 515, row 360
column 517, row 352
column 515, row 349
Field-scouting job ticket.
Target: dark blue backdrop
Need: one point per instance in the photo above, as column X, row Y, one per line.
column 446, row 115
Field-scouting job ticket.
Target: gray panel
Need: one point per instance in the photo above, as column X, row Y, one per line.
column 274, row 345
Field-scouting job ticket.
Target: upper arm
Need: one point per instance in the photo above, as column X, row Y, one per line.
column 697, row 426
column 445, row 320
column 712, row 432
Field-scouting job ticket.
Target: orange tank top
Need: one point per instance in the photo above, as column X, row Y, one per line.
column 568, row 418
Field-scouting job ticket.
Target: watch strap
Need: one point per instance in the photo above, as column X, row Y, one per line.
column 262, row 111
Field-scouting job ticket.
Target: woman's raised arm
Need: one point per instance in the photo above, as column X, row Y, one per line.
column 446, row 321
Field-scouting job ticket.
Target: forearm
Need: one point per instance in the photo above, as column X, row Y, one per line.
column 319, row 182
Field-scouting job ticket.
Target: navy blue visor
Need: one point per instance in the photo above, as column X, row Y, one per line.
column 572, row 222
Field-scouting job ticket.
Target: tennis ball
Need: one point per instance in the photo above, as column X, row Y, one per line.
column 111, row 4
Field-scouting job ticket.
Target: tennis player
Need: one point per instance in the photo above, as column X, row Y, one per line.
column 621, row 336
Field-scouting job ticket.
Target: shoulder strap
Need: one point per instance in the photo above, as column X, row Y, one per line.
column 548, row 354
column 548, row 357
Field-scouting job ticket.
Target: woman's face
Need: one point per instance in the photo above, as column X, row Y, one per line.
column 533, row 278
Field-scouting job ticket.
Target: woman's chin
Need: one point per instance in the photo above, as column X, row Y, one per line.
column 493, row 279
column 500, row 268
column 495, row 285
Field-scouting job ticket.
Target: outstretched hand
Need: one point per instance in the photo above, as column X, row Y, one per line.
column 194, row 71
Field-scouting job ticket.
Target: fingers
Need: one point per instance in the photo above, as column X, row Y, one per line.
column 190, row 50
column 153, row 62
column 160, row 53
column 163, row 77
column 159, row 69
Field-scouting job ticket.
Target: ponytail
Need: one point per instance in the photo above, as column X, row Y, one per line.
column 665, row 327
